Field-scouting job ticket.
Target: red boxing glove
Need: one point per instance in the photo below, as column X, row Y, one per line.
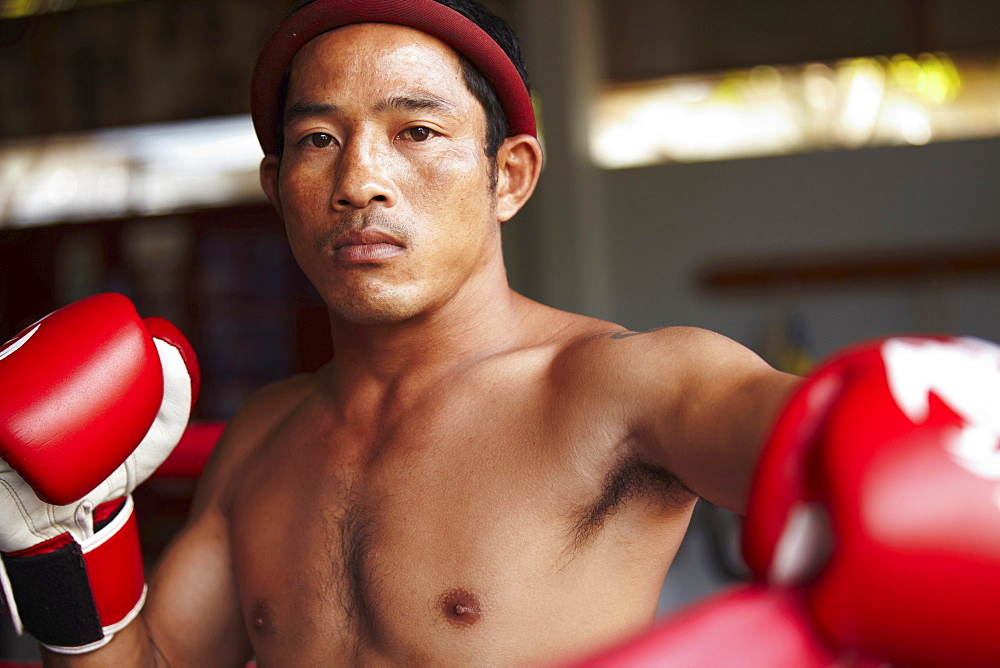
column 879, row 496
column 750, row 626
column 93, row 399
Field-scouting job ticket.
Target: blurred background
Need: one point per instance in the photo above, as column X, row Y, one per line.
column 795, row 174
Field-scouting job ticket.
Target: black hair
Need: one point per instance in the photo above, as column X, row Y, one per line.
column 496, row 121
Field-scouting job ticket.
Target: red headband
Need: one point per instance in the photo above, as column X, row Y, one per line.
column 428, row 16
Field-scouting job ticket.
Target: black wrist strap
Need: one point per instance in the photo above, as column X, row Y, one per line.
column 53, row 596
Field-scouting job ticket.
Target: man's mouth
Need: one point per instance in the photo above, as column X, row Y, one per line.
column 366, row 247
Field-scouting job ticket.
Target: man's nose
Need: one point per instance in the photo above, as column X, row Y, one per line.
column 364, row 177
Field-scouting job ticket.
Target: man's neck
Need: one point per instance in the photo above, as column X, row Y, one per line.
column 473, row 324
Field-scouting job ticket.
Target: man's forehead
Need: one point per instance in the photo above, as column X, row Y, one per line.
column 404, row 68
column 358, row 44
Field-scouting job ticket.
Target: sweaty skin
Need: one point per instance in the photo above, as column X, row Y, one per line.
column 466, row 524
column 475, row 478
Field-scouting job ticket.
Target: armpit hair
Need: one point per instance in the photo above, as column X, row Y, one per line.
column 630, row 479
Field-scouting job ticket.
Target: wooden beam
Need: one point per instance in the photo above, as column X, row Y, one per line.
column 848, row 270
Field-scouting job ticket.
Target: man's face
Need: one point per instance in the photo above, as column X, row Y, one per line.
column 384, row 185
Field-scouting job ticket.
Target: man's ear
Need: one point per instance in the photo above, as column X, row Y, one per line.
column 519, row 162
column 269, row 168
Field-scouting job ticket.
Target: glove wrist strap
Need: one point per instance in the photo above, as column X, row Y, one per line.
column 74, row 596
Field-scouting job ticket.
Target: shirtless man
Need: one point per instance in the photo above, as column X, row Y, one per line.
column 475, row 478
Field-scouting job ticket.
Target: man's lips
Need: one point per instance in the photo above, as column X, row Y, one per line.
column 367, row 246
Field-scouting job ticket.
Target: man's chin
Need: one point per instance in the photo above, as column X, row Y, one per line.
column 371, row 312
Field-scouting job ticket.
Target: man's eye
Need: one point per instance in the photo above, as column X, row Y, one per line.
column 418, row 133
column 319, row 139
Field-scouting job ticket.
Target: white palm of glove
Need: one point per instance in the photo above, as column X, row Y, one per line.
column 25, row 520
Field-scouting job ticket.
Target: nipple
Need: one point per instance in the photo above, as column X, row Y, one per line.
column 461, row 607
column 261, row 618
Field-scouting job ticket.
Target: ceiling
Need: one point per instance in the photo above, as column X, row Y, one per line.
column 650, row 38
column 148, row 61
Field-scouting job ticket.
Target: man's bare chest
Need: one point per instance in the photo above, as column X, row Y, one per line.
column 439, row 537
column 381, row 537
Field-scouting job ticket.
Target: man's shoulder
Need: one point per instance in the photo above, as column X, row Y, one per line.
column 665, row 363
column 606, row 343
column 270, row 405
column 279, row 397
column 260, row 415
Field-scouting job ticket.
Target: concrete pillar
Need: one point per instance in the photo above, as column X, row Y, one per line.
column 558, row 254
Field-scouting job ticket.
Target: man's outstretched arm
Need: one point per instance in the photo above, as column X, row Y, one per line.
column 729, row 400
column 697, row 404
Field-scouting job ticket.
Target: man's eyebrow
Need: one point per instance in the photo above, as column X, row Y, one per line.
column 302, row 110
column 421, row 101
column 416, row 102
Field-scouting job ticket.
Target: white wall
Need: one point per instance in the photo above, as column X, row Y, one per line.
column 665, row 222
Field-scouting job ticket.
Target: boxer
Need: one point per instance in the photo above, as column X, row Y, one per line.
column 474, row 478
